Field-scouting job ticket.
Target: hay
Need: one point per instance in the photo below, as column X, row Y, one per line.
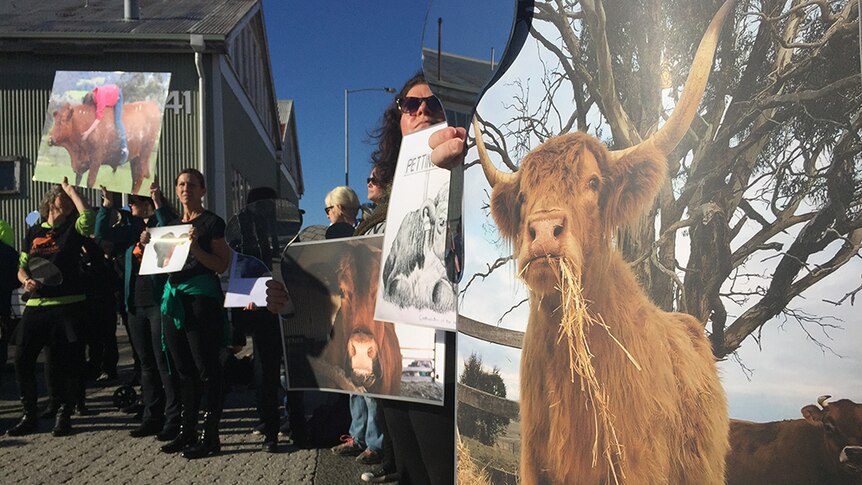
column 574, row 327
column 468, row 472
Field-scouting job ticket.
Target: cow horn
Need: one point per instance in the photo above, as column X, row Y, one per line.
column 822, row 400
column 491, row 173
column 672, row 132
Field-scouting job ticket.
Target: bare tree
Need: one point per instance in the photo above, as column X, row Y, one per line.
column 769, row 170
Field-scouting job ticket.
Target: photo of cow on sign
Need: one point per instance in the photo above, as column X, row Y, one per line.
column 334, row 342
column 415, row 288
column 97, row 119
column 662, row 239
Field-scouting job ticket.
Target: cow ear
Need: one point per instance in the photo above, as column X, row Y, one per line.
column 505, row 209
column 631, row 184
column 813, row 415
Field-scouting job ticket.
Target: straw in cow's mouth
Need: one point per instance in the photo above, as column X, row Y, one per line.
column 574, row 326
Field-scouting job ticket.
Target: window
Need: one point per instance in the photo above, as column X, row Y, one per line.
column 10, row 175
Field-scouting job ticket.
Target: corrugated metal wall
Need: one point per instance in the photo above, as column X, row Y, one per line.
column 25, row 85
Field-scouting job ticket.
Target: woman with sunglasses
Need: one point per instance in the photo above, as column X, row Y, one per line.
column 419, row 439
column 193, row 321
column 342, row 205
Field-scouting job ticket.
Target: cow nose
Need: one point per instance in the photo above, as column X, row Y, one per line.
column 545, row 235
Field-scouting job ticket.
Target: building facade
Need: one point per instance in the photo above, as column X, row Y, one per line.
column 221, row 115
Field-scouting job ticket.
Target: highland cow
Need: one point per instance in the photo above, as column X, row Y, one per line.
column 628, row 392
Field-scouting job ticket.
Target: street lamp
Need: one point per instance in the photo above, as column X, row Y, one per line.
column 346, row 156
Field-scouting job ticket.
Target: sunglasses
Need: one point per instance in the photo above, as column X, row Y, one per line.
column 374, row 181
column 327, row 209
column 409, row 105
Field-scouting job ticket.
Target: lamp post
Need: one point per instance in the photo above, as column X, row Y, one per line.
column 346, row 149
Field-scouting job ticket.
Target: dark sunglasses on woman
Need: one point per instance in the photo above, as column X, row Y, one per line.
column 409, row 105
column 374, row 181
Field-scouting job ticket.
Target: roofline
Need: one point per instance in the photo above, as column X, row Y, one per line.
column 95, row 36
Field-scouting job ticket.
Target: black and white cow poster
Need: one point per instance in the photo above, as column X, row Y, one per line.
column 414, row 288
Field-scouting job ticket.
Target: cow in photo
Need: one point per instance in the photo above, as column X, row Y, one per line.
column 415, row 270
column 823, row 448
column 142, row 122
column 367, row 350
column 635, row 396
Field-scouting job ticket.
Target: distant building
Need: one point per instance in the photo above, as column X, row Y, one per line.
column 221, row 116
column 457, row 81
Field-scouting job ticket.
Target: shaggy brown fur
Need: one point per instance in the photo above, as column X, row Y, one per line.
column 358, row 274
column 635, row 397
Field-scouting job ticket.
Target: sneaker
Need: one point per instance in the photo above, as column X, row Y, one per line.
column 258, row 430
column 369, row 457
column 379, row 474
column 348, row 447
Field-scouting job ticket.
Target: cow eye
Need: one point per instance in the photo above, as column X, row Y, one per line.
column 594, row 183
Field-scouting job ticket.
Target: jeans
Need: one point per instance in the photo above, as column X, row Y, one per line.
column 118, row 122
column 160, row 396
column 363, row 426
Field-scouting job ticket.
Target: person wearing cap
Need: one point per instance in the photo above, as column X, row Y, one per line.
column 141, row 298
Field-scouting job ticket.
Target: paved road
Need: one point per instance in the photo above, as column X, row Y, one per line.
column 101, row 451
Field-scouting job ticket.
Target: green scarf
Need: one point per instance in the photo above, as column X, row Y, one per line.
column 172, row 304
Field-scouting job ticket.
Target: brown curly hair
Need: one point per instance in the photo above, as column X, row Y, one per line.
column 388, row 135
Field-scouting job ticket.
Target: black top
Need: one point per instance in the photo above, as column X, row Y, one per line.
column 208, row 227
column 61, row 245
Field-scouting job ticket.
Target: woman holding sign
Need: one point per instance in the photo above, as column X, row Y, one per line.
column 49, row 270
column 142, row 297
column 193, row 320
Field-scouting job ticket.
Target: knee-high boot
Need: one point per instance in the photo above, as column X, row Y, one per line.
column 188, row 421
column 209, row 443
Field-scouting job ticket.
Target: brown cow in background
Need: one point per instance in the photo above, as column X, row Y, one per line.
column 141, row 119
column 662, row 423
column 824, row 448
column 366, row 349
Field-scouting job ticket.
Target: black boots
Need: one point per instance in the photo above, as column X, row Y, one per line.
column 63, row 422
column 209, row 443
column 27, row 425
column 187, row 436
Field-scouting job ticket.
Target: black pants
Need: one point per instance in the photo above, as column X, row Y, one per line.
column 160, row 395
column 57, row 328
column 423, row 435
column 102, row 342
column 262, row 326
column 194, row 353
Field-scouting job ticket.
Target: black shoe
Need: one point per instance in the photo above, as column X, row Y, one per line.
column 63, row 424
column 380, row 474
column 209, row 443
column 147, row 428
column 270, row 445
column 168, row 433
column 27, row 425
column 183, row 440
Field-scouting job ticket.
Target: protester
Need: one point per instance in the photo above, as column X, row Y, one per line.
column 342, row 206
column 193, row 320
column 423, row 435
column 53, row 314
column 261, row 325
column 141, row 299
column 8, row 283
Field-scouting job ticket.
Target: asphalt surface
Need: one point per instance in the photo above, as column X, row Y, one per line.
column 100, row 450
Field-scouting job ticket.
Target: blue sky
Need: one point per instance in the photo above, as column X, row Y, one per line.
column 320, row 48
